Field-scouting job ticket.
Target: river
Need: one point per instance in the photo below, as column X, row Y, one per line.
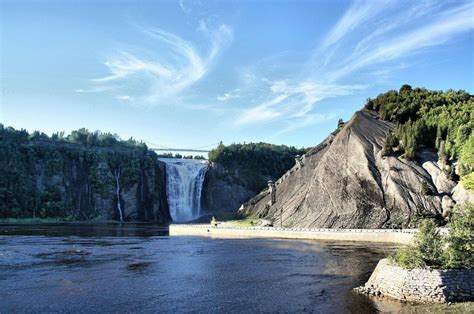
column 138, row 268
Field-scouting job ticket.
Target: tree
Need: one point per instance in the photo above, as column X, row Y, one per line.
column 405, row 89
column 425, row 188
column 391, row 142
column 425, row 250
column 460, row 251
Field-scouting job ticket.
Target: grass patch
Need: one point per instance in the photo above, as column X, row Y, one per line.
column 244, row 222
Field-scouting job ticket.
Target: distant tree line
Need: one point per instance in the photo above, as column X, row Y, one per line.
column 179, row 156
column 81, row 136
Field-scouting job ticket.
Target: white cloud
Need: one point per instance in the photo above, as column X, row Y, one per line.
column 442, row 29
column 124, row 98
column 293, row 102
column 233, row 94
column 357, row 14
column 164, row 74
column 184, row 6
column 370, row 41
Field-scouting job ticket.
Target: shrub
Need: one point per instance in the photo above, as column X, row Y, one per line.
column 468, row 182
column 460, row 250
column 426, row 249
column 391, row 142
column 429, row 243
column 425, row 188
column 407, row 257
column 430, row 248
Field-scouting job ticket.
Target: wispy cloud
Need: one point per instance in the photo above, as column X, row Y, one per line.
column 358, row 13
column 184, row 6
column 163, row 74
column 371, row 38
column 233, row 94
column 289, row 101
column 443, row 28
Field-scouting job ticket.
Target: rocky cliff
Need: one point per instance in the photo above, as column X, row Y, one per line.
column 78, row 182
column 346, row 182
column 237, row 172
column 224, row 191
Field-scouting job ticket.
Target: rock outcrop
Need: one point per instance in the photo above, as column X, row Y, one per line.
column 345, row 182
column 224, row 192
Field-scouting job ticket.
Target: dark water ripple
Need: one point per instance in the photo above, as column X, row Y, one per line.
column 100, row 269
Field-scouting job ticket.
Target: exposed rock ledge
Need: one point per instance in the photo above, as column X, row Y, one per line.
column 420, row 285
column 346, row 182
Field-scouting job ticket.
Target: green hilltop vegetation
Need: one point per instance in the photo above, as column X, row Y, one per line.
column 255, row 163
column 425, row 119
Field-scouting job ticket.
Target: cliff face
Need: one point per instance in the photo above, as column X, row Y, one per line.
column 224, row 192
column 345, row 182
column 237, row 172
column 82, row 183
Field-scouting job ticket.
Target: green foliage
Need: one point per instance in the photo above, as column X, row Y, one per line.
column 468, row 182
column 340, row 125
column 426, row 249
column 44, row 177
column 430, row 248
column 255, row 163
column 391, row 142
column 460, row 251
column 405, row 89
column 467, row 152
column 407, row 257
column 466, row 163
column 429, row 243
column 441, row 120
column 425, row 188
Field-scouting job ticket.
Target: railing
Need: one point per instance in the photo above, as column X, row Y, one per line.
column 326, row 230
column 180, row 150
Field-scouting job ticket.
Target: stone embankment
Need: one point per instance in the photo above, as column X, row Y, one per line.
column 420, row 285
column 364, row 235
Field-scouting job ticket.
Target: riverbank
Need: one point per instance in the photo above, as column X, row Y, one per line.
column 360, row 235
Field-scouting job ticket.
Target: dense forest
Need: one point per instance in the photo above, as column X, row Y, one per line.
column 255, row 162
column 437, row 120
column 84, row 175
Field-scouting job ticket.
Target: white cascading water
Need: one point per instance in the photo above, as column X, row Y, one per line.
column 185, row 178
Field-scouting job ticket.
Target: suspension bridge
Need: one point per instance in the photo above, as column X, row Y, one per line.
column 200, row 149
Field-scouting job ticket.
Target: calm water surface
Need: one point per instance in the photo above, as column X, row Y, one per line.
column 138, row 268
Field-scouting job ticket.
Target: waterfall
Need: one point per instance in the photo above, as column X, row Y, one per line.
column 184, row 181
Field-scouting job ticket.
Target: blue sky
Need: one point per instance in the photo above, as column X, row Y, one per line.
column 192, row 73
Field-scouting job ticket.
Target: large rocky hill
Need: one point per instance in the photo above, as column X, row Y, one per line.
column 346, row 182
